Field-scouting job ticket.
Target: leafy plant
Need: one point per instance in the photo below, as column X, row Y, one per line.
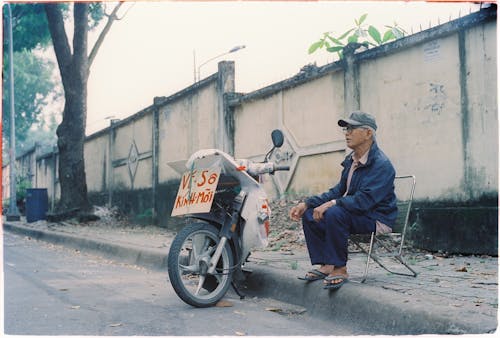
column 22, row 184
column 146, row 217
column 370, row 36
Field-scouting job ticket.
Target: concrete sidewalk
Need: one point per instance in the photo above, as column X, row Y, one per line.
column 454, row 295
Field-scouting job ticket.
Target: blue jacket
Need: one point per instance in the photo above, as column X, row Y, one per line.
column 371, row 191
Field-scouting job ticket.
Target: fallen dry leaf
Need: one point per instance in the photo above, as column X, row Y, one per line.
column 462, row 269
column 224, row 303
column 274, row 309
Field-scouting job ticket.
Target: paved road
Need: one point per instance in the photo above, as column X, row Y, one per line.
column 54, row 290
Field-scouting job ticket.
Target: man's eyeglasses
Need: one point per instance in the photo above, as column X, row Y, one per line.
column 348, row 129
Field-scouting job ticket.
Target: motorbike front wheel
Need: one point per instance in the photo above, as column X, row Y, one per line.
column 188, row 261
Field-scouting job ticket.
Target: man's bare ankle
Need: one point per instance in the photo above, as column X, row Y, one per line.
column 327, row 268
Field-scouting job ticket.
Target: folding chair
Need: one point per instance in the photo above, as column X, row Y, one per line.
column 392, row 242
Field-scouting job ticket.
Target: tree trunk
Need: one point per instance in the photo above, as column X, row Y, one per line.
column 70, row 142
column 74, row 70
column 71, row 132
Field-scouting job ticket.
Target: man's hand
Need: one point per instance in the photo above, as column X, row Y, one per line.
column 297, row 211
column 318, row 212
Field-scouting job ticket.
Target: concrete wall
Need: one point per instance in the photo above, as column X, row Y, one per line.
column 424, row 124
column 305, row 111
column 433, row 94
column 37, row 170
column 191, row 122
column 27, row 166
column 47, row 176
column 96, row 153
column 127, row 164
column 434, row 97
column 132, row 144
column 480, row 123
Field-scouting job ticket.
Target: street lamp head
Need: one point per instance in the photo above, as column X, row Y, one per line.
column 237, row 48
column 232, row 50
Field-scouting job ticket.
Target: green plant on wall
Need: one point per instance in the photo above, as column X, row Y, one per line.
column 370, row 36
column 146, row 217
column 22, row 184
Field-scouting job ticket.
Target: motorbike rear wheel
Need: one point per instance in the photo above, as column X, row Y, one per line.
column 188, row 259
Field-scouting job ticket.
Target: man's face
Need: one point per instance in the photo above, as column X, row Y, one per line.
column 356, row 136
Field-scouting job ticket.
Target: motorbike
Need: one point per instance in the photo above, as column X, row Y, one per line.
column 227, row 216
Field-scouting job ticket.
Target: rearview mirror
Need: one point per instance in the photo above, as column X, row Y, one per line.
column 277, row 137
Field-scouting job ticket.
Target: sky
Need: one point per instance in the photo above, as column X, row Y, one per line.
column 157, row 47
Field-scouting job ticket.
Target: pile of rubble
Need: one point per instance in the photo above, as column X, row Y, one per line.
column 284, row 234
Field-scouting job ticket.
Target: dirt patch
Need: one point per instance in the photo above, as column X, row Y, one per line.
column 284, row 234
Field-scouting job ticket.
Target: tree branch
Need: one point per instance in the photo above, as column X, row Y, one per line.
column 111, row 18
column 124, row 14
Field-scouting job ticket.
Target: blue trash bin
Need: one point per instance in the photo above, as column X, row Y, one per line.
column 37, row 204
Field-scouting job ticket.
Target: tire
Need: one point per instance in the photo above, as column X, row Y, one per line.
column 189, row 253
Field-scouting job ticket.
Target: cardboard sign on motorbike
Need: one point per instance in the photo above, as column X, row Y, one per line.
column 196, row 191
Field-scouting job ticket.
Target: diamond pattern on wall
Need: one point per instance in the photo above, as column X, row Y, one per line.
column 133, row 160
column 286, row 155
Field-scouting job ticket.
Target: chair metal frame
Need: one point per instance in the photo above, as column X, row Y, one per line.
column 378, row 239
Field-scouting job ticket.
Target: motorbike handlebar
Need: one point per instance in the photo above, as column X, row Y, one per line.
column 262, row 168
column 282, row 168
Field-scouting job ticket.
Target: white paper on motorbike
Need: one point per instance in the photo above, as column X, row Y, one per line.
column 196, row 191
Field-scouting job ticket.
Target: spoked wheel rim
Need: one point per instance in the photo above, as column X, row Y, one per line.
column 193, row 263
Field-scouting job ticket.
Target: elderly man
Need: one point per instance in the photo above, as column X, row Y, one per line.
column 363, row 201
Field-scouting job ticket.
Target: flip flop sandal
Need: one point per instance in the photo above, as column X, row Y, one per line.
column 313, row 275
column 339, row 279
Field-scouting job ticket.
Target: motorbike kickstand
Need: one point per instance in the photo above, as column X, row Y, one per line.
column 238, row 292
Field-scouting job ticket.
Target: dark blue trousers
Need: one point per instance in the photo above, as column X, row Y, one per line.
column 327, row 240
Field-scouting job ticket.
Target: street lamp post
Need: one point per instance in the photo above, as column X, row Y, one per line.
column 13, row 212
column 232, row 50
